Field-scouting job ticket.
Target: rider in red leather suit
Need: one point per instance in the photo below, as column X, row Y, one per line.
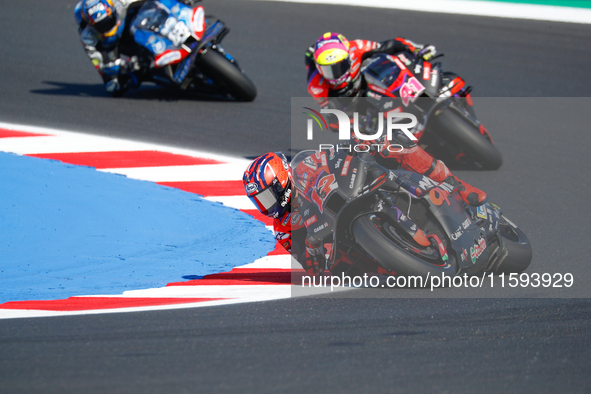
column 333, row 63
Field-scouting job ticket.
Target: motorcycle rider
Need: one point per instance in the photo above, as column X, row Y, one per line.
column 101, row 24
column 102, row 27
column 333, row 63
column 333, row 66
column 269, row 185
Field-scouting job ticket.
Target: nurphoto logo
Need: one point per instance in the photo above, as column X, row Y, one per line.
column 345, row 123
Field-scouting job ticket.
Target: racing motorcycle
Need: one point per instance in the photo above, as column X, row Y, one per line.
column 400, row 222
column 183, row 48
column 449, row 128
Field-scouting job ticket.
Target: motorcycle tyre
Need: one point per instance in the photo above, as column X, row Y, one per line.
column 391, row 256
column 519, row 253
column 460, row 133
column 219, row 68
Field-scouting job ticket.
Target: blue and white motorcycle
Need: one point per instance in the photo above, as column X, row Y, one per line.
column 183, row 48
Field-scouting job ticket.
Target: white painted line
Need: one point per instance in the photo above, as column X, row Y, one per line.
column 262, row 292
column 206, row 172
column 66, row 144
column 100, row 141
column 15, row 313
column 471, row 7
column 272, row 262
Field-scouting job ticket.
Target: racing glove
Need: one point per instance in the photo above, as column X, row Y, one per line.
column 132, row 64
column 426, row 52
column 314, row 260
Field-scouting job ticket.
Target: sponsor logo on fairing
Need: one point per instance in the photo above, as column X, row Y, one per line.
column 345, row 169
column 321, row 227
column 481, row 212
column 466, row 223
column 353, row 176
column 427, row 183
column 168, row 58
column 434, row 77
column 477, row 250
column 311, row 221
column 464, row 254
column 198, row 21
column 427, row 71
column 410, row 91
column 457, row 234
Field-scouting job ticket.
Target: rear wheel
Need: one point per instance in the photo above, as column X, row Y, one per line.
column 454, row 128
column 380, row 239
column 223, row 71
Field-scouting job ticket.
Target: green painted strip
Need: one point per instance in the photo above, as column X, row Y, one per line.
column 559, row 3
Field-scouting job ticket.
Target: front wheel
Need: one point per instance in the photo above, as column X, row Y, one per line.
column 455, row 129
column 392, row 252
column 223, row 71
column 517, row 247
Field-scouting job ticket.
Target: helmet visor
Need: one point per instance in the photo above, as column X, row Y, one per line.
column 106, row 24
column 336, row 70
column 272, row 199
column 265, row 200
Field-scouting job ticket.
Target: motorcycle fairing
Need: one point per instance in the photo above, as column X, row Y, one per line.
column 389, row 76
column 168, row 29
column 364, row 188
column 472, row 239
column 325, row 181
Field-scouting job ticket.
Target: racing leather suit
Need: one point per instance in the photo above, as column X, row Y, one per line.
column 290, row 223
column 359, row 50
column 118, row 73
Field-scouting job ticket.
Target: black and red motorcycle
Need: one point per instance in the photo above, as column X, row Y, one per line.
column 400, row 221
column 448, row 126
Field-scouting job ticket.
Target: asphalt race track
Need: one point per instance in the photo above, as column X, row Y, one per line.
column 531, row 82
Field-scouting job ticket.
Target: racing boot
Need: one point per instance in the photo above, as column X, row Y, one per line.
column 414, row 158
column 470, row 194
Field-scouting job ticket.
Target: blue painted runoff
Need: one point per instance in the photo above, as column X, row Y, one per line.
column 69, row 230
